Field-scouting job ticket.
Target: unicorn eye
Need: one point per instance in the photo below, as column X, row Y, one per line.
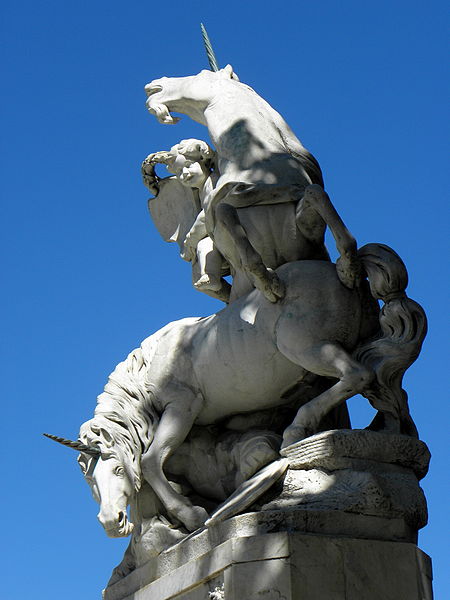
column 119, row 471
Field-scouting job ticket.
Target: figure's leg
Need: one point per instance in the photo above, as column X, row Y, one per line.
column 328, row 360
column 263, row 278
column 223, row 293
column 210, row 263
column 174, row 425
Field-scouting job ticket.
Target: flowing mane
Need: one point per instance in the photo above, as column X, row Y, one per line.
column 125, row 408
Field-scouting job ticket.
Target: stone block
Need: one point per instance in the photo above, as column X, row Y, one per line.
column 283, row 566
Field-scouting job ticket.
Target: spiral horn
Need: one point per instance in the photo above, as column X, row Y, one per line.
column 79, row 446
column 209, row 50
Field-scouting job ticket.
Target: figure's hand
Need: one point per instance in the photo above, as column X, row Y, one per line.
column 195, row 149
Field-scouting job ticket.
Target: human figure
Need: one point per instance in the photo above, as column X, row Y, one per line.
column 193, row 163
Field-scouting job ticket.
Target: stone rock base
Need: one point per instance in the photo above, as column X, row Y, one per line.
column 341, row 524
column 282, row 566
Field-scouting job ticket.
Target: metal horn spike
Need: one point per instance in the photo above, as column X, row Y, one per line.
column 94, row 451
column 209, row 51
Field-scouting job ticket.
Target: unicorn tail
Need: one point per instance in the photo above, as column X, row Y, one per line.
column 403, row 327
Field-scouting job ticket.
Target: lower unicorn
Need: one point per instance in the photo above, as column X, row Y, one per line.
column 244, row 359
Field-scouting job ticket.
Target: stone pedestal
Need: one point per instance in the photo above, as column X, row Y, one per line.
column 281, row 566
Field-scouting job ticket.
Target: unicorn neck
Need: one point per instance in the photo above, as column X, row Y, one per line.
column 194, row 109
column 236, row 119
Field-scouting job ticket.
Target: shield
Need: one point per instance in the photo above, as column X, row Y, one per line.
column 174, row 210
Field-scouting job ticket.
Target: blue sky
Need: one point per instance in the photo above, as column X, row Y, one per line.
column 87, row 276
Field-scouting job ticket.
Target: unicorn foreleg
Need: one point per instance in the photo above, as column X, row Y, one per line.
column 174, row 425
column 348, row 265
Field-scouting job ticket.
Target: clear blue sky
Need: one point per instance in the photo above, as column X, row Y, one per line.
column 86, row 276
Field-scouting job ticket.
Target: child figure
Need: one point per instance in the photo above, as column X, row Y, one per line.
column 192, row 162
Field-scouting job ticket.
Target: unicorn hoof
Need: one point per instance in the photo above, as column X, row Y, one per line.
column 277, row 286
column 349, row 271
column 194, row 517
column 292, row 435
column 270, row 285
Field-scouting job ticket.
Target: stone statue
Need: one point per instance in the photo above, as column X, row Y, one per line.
column 247, row 407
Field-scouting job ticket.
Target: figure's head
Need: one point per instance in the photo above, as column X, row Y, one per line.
column 112, row 475
column 190, row 173
column 191, row 161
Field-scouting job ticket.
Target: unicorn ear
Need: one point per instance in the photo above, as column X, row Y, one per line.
column 228, row 71
column 104, row 436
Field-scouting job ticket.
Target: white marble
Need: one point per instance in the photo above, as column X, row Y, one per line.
column 222, row 414
column 256, row 210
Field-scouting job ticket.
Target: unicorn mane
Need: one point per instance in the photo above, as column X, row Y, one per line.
column 125, row 409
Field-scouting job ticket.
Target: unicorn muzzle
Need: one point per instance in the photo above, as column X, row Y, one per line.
column 152, row 88
column 115, row 522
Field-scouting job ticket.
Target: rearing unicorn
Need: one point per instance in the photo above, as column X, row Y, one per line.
column 261, row 163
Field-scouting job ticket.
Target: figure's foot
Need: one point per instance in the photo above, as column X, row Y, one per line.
column 208, row 282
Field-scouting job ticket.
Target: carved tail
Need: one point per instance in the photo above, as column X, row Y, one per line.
column 403, row 328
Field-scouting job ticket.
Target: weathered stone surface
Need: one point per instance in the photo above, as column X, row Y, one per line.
column 285, row 566
column 357, row 471
column 341, row 449
column 251, row 535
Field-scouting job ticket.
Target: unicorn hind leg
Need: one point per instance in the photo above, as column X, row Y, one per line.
column 327, row 359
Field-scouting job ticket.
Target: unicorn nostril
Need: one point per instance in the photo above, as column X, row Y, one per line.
column 121, row 516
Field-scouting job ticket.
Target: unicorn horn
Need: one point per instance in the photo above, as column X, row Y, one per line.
column 79, row 446
column 209, row 51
